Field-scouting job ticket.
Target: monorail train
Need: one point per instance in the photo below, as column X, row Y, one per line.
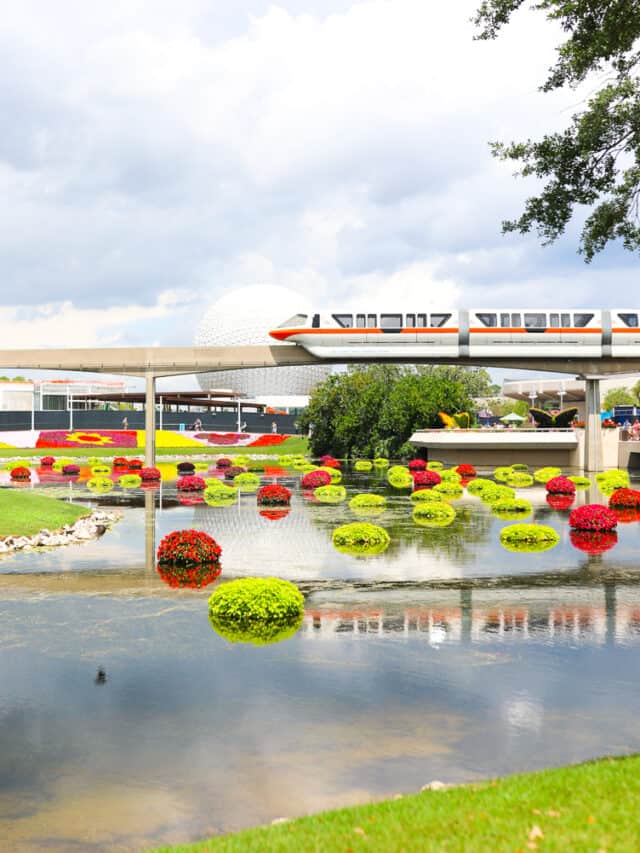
column 560, row 333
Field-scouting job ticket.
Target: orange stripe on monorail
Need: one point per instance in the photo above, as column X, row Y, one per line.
column 625, row 330
column 282, row 334
column 503, row 330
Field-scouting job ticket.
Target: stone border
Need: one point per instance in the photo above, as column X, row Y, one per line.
column 85, row 528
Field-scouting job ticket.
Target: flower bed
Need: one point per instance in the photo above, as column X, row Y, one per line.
column 425, row 479
column 466, row 471
column 360, row 538
column 190, row 483
column 188, row 548
column 593, row 541
column 95, row 438
column 593, row 517
column 150, row 474
column 314, row 479
column 269, row 440
column 529, row 537
column 330, row 494
column 560, row 486
column 417, row 465
column 629, row 498
column 20, row 473
column 256, row 610
column 47, row 461
column 433, row 513
column 273, row 495
column 222, row 439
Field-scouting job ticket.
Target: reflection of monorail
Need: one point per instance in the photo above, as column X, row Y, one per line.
column 556, row 624
column 477, row 332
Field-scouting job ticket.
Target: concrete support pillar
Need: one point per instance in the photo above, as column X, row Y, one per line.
column 592, row 438
column 611, row 611
column 150, row 530
column 150, row 421
column 466, row 606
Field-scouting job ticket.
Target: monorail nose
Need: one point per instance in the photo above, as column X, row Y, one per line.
column 280, row 334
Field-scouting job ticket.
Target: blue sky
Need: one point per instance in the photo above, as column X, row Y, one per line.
column 156, row 154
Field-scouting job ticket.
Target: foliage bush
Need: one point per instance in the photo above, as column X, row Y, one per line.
column 450, row 475
column 315, row 478
column 502, row 472
column 542, row 475
column 529, row 537
column 190, row 483
column 129, row 481
column 100, row 484
column 380, row 462
column 366, row 500
column 201, row 466
column 20, row 473
column 58, row 465
column 435, row 465
column 509, row 509
column 580, row 482
column 399, row 477
column 519, row 466
column 609, row 481
column 273, row 495
column 219, row 494
column 426, row 495
column 451, row 491
column 593, row 517
column 334, row 473
column 330, row 494
column 480, row 485
column 285, row 460
column 560, row 486
column 519, row 480
column 256, row 610
column 247, row 480
column 363, row 465
column 188, row 548
column 360, row 537
column 433, row 513
column 497, row 493
column 241, row 459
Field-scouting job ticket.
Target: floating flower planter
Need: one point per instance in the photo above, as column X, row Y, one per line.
column 519, row 480
column 224, row 462
column 426, row 479
column 580, row 482
column 363, row 465
column 502, row 472
column 593, row 517
column 189, row 549
column 100, row 470
column 399, row 477
column 314, row 479
column 120, row 462
column 510, row 509
column 434, row 465
column 466, row 471
column 20, row 473
column 247, row 481
column 560, row 486
column 426, row 495
column 150, row 474
column 186, row 467
column 627, row 498
column 593, row 541
column 135, row 464
column 360, row 539
column 71, row 470
column 130, row 481
column 543, row 475
column 100, row 485
column 367, row 500
column 190, row 483
column 609, row 481
column 273, row 495
column 529, row 537
column 328, row 461
column 380, row 462
column 449, row 490
column 256, row 610
column 47, row 461
column 417, row 465
column 433, row 514
column 480, row 485
column 497, row 493
column 330, row 494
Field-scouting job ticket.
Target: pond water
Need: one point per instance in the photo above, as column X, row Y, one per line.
column 446, row 657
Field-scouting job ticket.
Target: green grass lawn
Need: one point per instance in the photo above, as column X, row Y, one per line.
column 585, row 808
column 290, row 446
column 25, row 514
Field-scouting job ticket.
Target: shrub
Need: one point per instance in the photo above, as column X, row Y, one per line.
column 542, row 475
column 70, row 470
column 220, row 494
column 232, row 472
column 100, row 484
column 501, row 473
column 519, row 466
column 466, row 470
column 129, row 481
column 560, row 486
column 190, row 483
column 121, row 462
column 417, row 465
column 625, row 498
column 425, row 479
column 256, row 610
column 363, row 465
column 399, row 477
column 511, row 508
column 609, row 481
column 314, row 479
column 100, row 470
column 274, row 495
column 328, row 461
column 330, row 494
column 188, row 548
column 529, row 537
column 247, row 481
column 134, row 464
column 452, row 491
column 593, row 541
column 380, row 462
column 580, row 482
column 433, row 513
column 593, row 517
column 20, row 473
column 186, row 467
column 242, row 460
column 223, row 462
column 497, row 493
column 47, row 461
column 450, row 475
column 519, row 480
column 423, row 495
column 285, row 460
column 360, row 537
column 479, row 485
column 434, row 465
column 366, row 500
column 150, row 474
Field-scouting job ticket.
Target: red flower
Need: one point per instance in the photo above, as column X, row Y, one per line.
column 190, row 484
column 230, row 473
column 224, row 462
column 559, row 501
column 268, row 440
column 629, row 498
column 425, row 479
column 134, row 464
column 121, row 462
column 274, row 495
column 593, row 541
column 561, row 486
column 329, row 461
column 314, row 479
column 71, row 470
column 593, row 517
column 150, row 474
column 20, row 473
column 186, row 467
column 417, row 465
column 47, row 461
column 188, row 548
column 466, row 470
column 223, row 439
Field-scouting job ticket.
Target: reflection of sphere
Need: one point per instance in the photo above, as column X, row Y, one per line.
column 244, row 317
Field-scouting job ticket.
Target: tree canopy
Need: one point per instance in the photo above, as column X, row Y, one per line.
column 373, row 410
column 619, row 397
column 595, row 161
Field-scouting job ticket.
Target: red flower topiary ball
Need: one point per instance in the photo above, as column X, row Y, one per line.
column 20, row 473
column 560, row 486
column 625, row 498
column 134, row 464
column 233, row 471
column 593, row 541
column 47, row 461
column 425, row 479
column 190, row 484
column 224, row 462
column 466, row 471
column 150, row 474
column 186, row 467
column 560, row 501
column 328, row 461
column 314, row 479
column 71, row 470
column 417, row 465
column 121, row 462
column 274, row 495
column 188, row 548
column 593, row 517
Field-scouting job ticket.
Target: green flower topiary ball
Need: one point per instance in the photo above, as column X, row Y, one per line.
column 256, row 610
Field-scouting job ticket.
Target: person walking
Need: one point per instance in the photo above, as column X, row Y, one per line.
column 197, row 425
column 274, row 427
column 635, row 430
column 125, row 423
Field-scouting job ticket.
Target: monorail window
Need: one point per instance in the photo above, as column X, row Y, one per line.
column 580, row 320
column 554, row 321
column 391, row 321
column 372, row 321
column 488, row 319
column 565, row 319
column 292, row 322
column 516, row 320
column 410, row 322
column 438, row 320
column 535, row 321
column 344, row 320
column 360, row 321
column 629, row 320
column 505, row 321
column 316, row 321
column 421, row 321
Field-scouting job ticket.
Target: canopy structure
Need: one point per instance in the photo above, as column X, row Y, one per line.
column 188, row 399
column 512, row 417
